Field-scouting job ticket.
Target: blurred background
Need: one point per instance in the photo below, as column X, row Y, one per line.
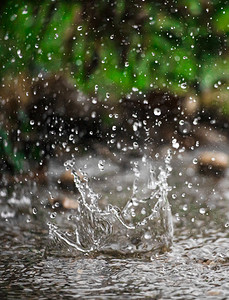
column 79, row 74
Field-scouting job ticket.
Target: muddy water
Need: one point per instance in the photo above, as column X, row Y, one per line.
column 197, row 267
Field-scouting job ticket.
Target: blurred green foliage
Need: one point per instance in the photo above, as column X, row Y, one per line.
column 112, row 48
column 118, row 45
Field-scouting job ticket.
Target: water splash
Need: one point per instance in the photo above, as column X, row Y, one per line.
column 143, row 225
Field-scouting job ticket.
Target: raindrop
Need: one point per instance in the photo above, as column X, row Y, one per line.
column 19, row 53
column 185, row 207
column 157, row 111
column 93, row 114
column 147, row 236
column 53, row 215
column 195, row 161
column 143, row 211
column 71, row 137
column 175, row 144
column 183, row 85
column 25, row 11
column 134, row 89
column 101, row 165
column 202, row 211
column 135, row 126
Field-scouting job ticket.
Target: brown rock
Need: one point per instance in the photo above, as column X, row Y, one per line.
column 70, row 203
column 190, row 105
column 64, row 202
column 66, row 180
column 213, row 163
column 214, row 293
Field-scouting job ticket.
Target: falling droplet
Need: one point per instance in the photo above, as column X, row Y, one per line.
column 183, row 85
column 202, row 211
column 157, row 111
column 101, row 165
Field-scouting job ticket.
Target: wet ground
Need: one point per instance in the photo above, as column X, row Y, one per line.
column 197, row 267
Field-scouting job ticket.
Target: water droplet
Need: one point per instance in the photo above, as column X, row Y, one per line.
column 71, row 137
column 157, row 111
column 183, row 85
column 101, row 165
column 135, row 126
column 53, row 215
column 134, row 89
column 70, row 217
column 185, row 207
column 34, row 211
column 147, row 236
column 195, row 161
column 19, row 53
column 79, row 28
column 202, row 210
column 175, row 144
column 190, row 185
column 135, row 145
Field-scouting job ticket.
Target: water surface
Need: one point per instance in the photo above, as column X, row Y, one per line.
column 197, row 267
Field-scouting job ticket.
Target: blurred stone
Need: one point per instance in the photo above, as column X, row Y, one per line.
column 214, row 293
column 190, row 105
column 66, row 180
column 213, row 163
column 63, row 201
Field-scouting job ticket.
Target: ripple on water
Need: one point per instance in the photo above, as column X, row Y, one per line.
column 196, row 268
